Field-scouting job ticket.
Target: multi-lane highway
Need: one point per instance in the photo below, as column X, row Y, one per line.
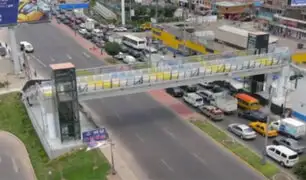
column 53, row 46
column 164, row 146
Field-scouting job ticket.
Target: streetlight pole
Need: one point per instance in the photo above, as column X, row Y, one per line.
column 112, row 158
column 264, row 158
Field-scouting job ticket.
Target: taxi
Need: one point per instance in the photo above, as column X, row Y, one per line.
column 261, row 129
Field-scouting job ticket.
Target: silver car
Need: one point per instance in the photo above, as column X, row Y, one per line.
column 242, row 130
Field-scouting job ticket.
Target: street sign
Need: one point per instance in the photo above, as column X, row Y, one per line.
column 8, row 12
column 95, row 135
column 74, row 6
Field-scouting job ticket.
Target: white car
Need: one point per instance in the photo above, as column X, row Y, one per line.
column 82, row 26
column 129, row 60
column 120, row 29
column 111, row 26
column 82, row 31
column 26, row 47
column 242, row 130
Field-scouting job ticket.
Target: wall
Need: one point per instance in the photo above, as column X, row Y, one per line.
column 299, row 99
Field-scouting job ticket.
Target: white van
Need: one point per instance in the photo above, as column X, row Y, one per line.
column 283, row 155
column 193, row 99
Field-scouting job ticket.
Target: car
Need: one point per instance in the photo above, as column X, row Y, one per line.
column 66, row 21
column 212, row 112
column 120, row 56
column 261, row 129
column 82, row 25
column 111, row 26
column 175, row 92
column 253, row 115
column 88, row 35
column 3, row 51
column 120, row 29
column 83, row 31
column 283, row 155
column 289, row 143
column 242, row 130
column 26, row 47
column 192, row 88
column 100, row 44
column 95, row 40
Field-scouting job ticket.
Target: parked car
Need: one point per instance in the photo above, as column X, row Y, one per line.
column 289, row 143
column 95, row 40
column 261, row 129
column 82, row 31
column 212, row 112
column 193, row 99
column 175, row 92
column 192, row 88
column 253, row 115
column 120, row 29
column 100, row 44
column 129, row 60
column 26, row 46
column 82, row 25
column 66, row 21
column 242, row 130
column 120, row 56
column 3, row 51
column 283, row 155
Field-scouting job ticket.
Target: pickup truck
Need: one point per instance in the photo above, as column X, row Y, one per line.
column 226, row 102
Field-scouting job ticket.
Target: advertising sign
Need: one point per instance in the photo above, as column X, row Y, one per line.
column 33, row 11
column 297, row 3
column 8, row 12
column 74, row 6
column 95, row 135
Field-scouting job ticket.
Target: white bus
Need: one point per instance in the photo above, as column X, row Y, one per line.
column 134, row 42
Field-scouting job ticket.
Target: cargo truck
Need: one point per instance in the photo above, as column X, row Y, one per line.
column 290, row 127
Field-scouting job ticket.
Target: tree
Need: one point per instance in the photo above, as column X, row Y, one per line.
column 92, row 4
column 112, row 48
column 300, row 169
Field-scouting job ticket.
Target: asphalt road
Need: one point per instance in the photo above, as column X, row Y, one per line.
column 14, row 161
column 51, row 46
column 162, row 145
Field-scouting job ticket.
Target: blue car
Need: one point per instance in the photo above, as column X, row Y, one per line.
column 253, row 116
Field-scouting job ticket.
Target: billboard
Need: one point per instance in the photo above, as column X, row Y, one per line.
column 296, row 3
column 33, row 11
column 8, row 12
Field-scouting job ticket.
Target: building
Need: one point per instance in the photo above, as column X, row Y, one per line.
column 232, row 10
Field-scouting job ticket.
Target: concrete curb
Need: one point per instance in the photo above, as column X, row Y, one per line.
column 22, row 148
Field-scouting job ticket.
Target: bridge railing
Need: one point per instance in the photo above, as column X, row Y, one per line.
column 178, row 72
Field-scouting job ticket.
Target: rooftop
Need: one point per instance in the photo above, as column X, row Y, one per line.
column 62, row 66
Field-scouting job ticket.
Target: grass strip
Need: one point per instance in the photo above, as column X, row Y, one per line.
column 78, row 165
column 83, row 73
column 268, row 170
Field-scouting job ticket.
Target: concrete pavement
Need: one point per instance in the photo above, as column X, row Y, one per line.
column 15, row 163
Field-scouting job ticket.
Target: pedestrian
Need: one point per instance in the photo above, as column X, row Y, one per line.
column 101, row 51
column 35, row 74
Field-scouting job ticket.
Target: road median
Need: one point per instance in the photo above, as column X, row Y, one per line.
column 269, row 170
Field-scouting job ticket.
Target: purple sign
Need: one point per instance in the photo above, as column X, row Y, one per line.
column 297, row 3
column 95, row 135
column 8, row 12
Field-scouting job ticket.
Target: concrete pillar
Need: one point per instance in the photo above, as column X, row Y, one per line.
column 123, row 12
column 51, row 126
column 282, row 82
column 268, row 83
column 14, row 50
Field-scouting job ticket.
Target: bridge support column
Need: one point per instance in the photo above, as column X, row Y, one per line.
column 51, row 126
column 269, row 81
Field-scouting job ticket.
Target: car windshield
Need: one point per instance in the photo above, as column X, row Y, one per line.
column 293, row 156
column 199, row 100
column 28, row 46
column 248, row 130
column 294, row 143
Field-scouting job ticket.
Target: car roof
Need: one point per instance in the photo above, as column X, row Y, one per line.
column 284, row 149
column 245, row 97
column 195, row 95
column 243, row 126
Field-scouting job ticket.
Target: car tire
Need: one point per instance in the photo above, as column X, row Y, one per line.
column 282, row 164
column 241, row 137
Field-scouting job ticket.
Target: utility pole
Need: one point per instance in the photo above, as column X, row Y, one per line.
column 14, row 49
column 264, row 158
column 112, row 158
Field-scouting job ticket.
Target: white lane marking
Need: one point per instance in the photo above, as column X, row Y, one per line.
column 68, row 56
column 39, row 61
column 118, row 116
column 86, row 55
column 52, row 59
column 16, row 169
column 199, row 158
column 167, row 165
column 139, row 137
column 167, row 131
column 0, row 159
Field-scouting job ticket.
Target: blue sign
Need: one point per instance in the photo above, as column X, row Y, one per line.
column 95, row 135
column 8, row 12
column 297, row 2
column 74, row 6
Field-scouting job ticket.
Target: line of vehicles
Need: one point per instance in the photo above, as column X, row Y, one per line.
column 216, row 102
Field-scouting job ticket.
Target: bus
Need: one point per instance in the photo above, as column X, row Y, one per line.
column 134, row 42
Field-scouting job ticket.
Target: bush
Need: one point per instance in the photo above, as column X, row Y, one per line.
column 112, row 48
column 300, row 169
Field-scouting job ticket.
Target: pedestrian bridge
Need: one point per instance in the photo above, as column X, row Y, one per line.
column 164, row 76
